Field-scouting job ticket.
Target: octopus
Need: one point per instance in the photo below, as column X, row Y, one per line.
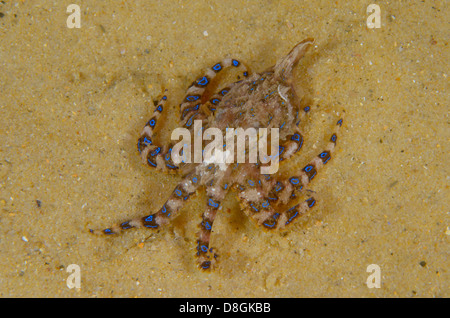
column 258, row 100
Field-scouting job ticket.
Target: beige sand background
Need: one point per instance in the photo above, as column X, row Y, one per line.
column 73, row 102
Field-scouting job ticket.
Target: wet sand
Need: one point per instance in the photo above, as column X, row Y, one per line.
column 73, row 102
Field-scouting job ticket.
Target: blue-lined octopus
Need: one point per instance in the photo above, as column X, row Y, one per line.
column 256, row 100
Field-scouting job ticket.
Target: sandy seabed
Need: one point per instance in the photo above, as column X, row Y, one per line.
column 73, row 102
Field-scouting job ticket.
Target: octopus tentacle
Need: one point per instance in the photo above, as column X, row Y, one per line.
column 291, row 145
column 177, row 199
column 205, row 255
column 193, row 98
column 152, row 154
column 299, row 181
column 261, row 202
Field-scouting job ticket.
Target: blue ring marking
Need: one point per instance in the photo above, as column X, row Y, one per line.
column 235, row 62
column 312, row 203
column 223, row 92
column 204, row 248
column 126, row 225
column 150, row 219
column 194, row 179
column 323, row 155
column 215, row 101
column 251, row 204
column 294, row 180
column 148, row 160
column 147, row 141
column 159, row 108
column 265, row 204
column 307, row 109
column 207, row 225
column 155, row 152
column 300, row 146
column 217, row 67
column 164, row 97
column 203, row 81
column 274, row 217
column 189, row 122
column 333, row 138
column 270, row 225
column 108, row 231
column 292, row 217
column 279, row 187
column 212, row 203
column 296, row 137
column 167, row 157
column 192, row 98
column 308, row 168
column 187, row 110
column 152, row 122
column 251, row 183
column 205, row 265
column 178, row 192
column 164, row 209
